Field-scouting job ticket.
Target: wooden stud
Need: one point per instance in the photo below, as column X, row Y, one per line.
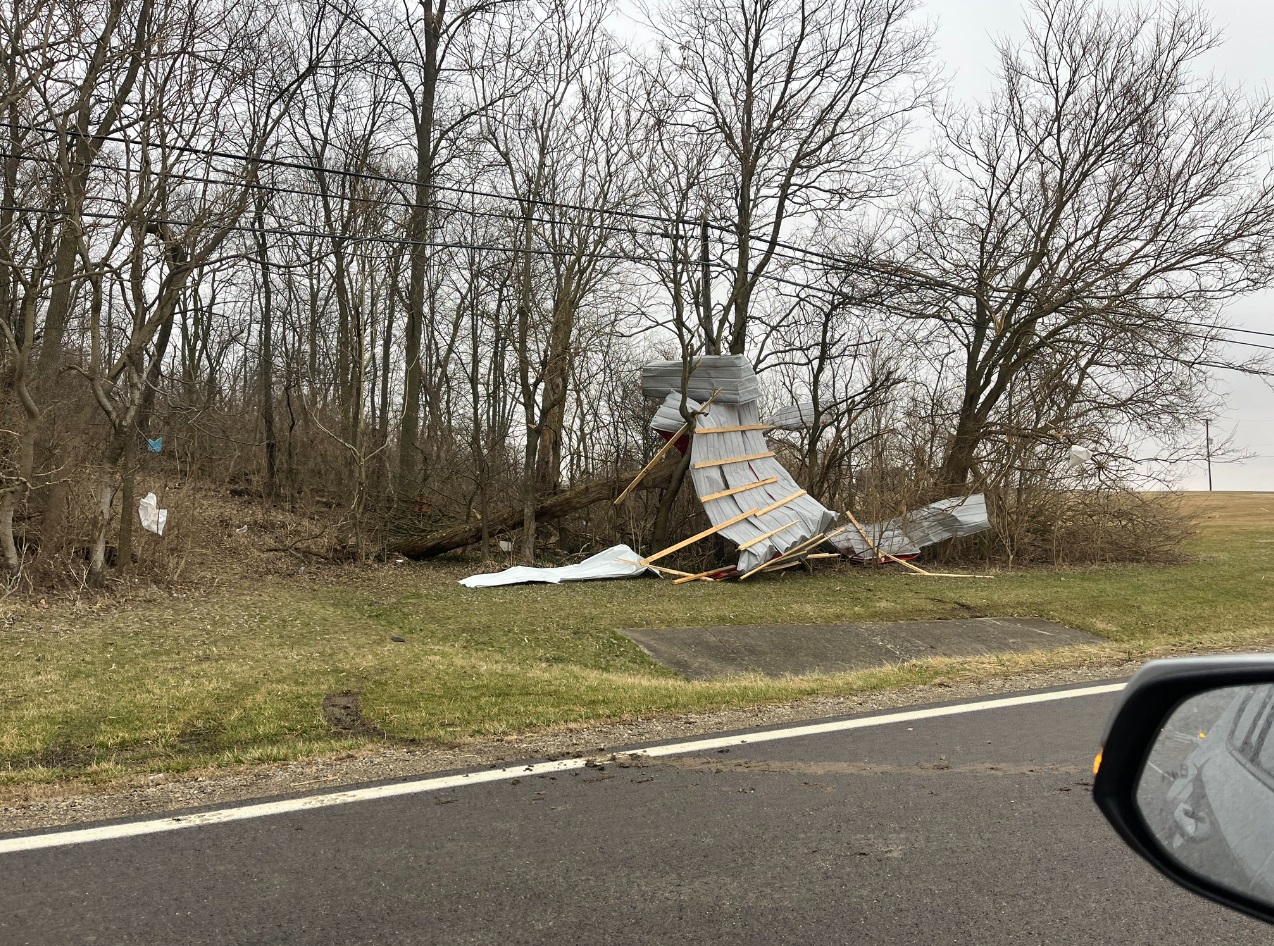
column 663, row 451
column 738, row 489
column 735, row 428
column 659, row 455
column 782, row 502
column 702, row 576
column 802, row 551
column 658, row 568
column 952, row 575
column 761, row 538
column 701, row 535
column 751, row 456
column 786, row 565
column 797, row 550
column 791, row 553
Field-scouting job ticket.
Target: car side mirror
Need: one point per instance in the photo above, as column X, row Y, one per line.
column 1186, row 775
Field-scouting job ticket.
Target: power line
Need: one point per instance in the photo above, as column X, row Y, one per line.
column 808, row 255
column 380, row 178
column 404, row 241
column 804, row 254
column 380, row 200
column 394, row 241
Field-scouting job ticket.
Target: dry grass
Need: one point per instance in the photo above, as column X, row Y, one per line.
column 235, row 670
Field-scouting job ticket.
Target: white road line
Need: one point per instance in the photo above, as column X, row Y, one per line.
column 310, row 802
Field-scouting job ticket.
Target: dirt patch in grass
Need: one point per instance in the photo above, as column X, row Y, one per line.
column 344, row 714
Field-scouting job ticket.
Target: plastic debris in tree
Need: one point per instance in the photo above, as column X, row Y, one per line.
column 1077, row 457
column 153, row 518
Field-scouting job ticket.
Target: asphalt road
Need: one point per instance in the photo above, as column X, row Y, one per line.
column 976, row 828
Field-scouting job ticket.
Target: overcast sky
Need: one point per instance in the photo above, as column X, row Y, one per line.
column 965, row 29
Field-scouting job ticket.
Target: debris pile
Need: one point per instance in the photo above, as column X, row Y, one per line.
column 748, row 495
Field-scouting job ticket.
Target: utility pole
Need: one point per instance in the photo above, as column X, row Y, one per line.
column 1207, row 439
column 705, row 278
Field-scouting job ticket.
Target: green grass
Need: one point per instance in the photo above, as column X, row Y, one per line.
column 238, row 675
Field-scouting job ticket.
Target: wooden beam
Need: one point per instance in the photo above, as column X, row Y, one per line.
column 702, row 576
column 738, row 489
column 797, row 551
column 700, row 535
column 751, row 456
column 761, row 538
column 791, row 553
column 735, row 428
column 953, row 575
column 876, row 551
column 663, row 451
column 658, row 568
column 672, row 442
column 782, row 502
column 785, row 565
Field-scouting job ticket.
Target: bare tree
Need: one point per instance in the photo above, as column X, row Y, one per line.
column 563, row 146
column 420, row 46
column 1093, row 217
column 804, row 103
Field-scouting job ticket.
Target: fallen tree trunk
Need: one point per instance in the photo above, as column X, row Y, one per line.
column 550, row 508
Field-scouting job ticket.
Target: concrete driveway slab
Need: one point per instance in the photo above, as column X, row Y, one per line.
column 775, row 650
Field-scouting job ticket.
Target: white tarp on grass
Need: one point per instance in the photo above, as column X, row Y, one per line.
column 618, row 561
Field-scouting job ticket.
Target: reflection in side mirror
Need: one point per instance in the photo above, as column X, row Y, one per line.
column 1206, row 790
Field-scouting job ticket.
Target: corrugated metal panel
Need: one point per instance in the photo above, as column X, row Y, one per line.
column 668, row 419
column 809, row 516
column 793, row 416
column 732, row 375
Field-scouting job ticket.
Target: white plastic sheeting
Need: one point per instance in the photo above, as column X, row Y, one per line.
column 618, row 561
column 153, row 518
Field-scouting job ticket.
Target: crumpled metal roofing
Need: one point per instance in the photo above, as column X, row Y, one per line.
column 729, row 376
column 908, row 534
column 797, row 520
column 718, row 466
column 793, row 416
column 668, row 419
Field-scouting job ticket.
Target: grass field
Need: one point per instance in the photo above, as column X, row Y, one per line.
column 239, row 674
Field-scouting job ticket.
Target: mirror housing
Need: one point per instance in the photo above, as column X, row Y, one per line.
column 1147, row 703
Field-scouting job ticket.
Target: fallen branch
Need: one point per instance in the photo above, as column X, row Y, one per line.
column 549, row 509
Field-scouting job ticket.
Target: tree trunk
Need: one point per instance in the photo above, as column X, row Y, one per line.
column 124, row 544
column 663, row 516
column 557, row 376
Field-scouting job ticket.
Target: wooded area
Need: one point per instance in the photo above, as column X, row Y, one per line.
column 402, row 259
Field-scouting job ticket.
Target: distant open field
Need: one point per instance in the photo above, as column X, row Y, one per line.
column 239, row 673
